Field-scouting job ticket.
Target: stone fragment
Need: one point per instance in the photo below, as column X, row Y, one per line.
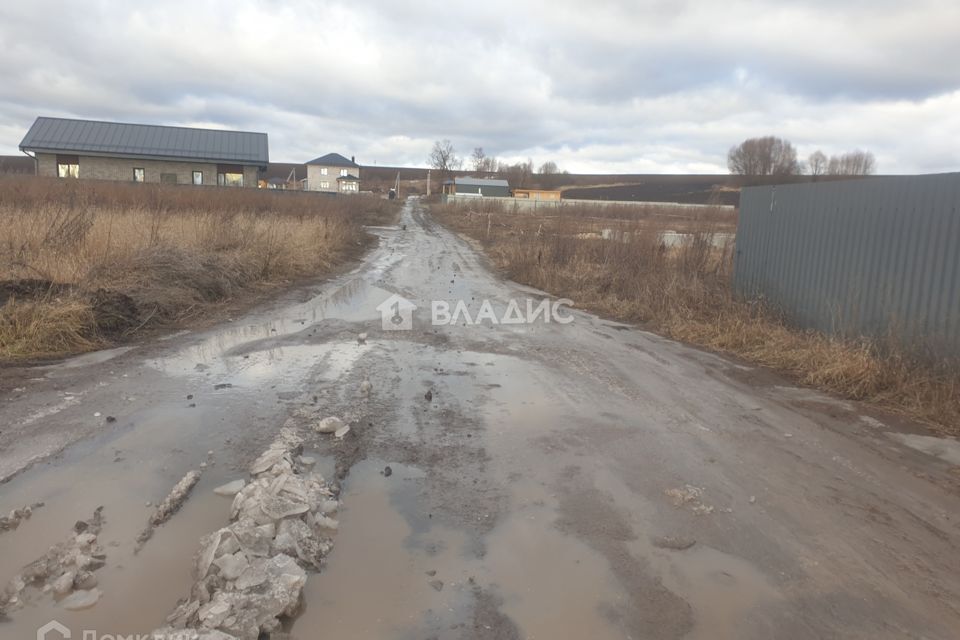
column 79, row 600
column 230, row 489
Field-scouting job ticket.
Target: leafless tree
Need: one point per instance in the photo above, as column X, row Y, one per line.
column 519, row 174
column 817, row 163
column 479, row 159
column 855, row 163
column 767, row 156
column 548, row 168
column 443, row 158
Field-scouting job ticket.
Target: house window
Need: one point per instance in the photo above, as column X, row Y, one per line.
column 323, row 171
column 343, row 173
column 349, row 186
column 138, row 174
column 324, row 186
column 68, row 166
column 230, row 175
column 198, row 177
column 168, row 178
column 230, row 179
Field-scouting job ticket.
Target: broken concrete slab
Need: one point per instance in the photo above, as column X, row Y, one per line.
column 250, row 574
column 230, row 489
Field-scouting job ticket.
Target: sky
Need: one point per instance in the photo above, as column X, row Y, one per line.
column 606, row 86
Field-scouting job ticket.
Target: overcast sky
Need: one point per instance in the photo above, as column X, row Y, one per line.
column 627, row 86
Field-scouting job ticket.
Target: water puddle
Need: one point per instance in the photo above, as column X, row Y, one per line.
column 393, row 573
column 258, row 348
column 139, row 590
column 552, row 585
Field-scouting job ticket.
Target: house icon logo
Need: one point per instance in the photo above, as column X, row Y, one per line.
column 396, row 313
column 53, row 630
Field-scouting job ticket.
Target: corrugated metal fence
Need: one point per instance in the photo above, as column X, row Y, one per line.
column 874, row 257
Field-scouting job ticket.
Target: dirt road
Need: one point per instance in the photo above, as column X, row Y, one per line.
column 581, row 480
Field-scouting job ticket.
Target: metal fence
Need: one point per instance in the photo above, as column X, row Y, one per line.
column 877, row 257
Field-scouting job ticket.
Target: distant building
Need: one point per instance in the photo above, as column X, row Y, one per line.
column 481, row 187
column 68, row 148
column 333, row 173
column 537, row 194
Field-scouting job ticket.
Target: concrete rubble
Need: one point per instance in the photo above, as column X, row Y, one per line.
column 13, row 519
column 250, row 574
column 230, row 489
column 170, row 505
column 66, row 570
column 329, row 425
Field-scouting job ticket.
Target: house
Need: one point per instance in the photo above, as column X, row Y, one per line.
column 333, row 173
column 537, row 194
column 481, row 187
column 69, row 148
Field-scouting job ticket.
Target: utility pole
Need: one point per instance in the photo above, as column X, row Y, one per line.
column 428, row 182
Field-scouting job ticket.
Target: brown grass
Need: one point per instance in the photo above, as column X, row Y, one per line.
column 685, row 293
column 83, row 263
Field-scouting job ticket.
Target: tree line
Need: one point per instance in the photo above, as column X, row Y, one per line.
column 763, row 156
column 444, row 158
column 772, row 156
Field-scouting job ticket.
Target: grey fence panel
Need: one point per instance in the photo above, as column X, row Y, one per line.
column 870, row 257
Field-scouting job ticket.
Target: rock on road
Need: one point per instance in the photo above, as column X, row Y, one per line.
column 546, row 480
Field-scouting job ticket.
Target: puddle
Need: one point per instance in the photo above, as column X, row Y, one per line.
column 354, row 301
column 375, row 582
column 552, row 585
column 159, row 574
column 947, row 449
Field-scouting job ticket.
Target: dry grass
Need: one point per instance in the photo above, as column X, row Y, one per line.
column 83, row 263
column 685, row 293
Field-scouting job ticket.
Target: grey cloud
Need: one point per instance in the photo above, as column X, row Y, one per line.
column 667, row 85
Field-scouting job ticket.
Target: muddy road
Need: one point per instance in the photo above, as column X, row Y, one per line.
column 546, row 480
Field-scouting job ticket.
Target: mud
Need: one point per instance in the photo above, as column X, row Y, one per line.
column 551, row 482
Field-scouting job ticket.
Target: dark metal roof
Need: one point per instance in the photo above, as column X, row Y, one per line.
column 348, row 178
column 334, row 160
column 146, row 141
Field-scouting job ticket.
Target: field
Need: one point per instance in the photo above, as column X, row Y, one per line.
column 624, row 268
column 85, row 264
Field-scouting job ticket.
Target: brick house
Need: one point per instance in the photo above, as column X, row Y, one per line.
column 69, row 148
column 333, row 173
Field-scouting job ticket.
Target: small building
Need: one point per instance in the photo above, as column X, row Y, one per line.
column 480, row 187
column 333, row 173
column 537, row 194
column 69, row 148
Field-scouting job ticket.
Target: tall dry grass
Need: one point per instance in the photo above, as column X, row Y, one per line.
column 82, row 263
column 685, row 293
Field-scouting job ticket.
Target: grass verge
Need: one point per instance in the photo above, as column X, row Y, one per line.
column 84, row 264
column 623, row 268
